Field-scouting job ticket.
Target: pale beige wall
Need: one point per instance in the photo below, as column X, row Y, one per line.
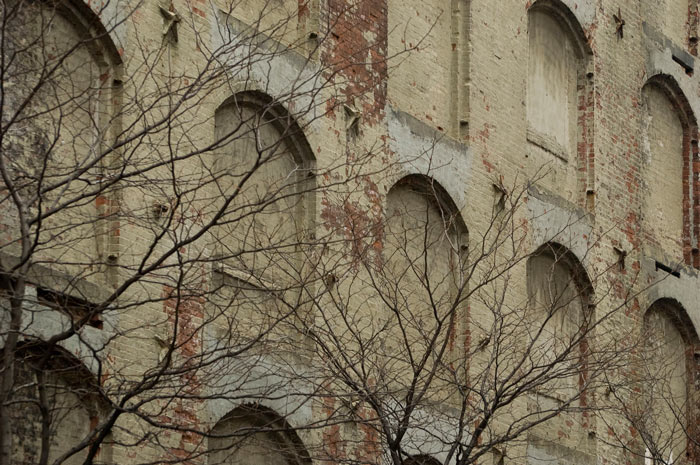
column 420, row 38
column 501, row 107
column 670, row 17
column 276, row 19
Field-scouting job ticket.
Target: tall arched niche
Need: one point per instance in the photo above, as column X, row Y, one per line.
column 561, row 295
column 75, row 70
column 73, row 404
column 426, row 254
column 561, row 299
column 66, row 77
column 668, row 373
column 559, row 100
column 264, row 169
column 669, row 130
column 255, row 435
column 423, row 221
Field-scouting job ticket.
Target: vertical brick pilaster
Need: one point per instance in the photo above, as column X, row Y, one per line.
column 356, row 53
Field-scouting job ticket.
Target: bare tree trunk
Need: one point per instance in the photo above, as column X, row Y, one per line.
column 45, row 410
column 7, row 377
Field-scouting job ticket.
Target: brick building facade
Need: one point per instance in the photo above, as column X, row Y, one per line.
column 226, row 226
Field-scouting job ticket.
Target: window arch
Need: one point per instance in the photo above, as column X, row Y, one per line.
column 426, row 252
column 559, row 99
column 561, row 297
column 669, row 373
column 53, row 378
column 254, row 435
column 431, row 195
column 423, row 219
column 67, row 55
column 66, row 77
column 670, row 137
column 265, row 169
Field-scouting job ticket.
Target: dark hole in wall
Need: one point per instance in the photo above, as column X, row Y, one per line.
column 667, row 269
column 685, row 65
column 76, row 308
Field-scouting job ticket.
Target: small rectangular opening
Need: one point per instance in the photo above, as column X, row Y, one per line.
column 75, row 308
column 685, row 65
column 6, row 285
column 590, row 199
column 667, row 269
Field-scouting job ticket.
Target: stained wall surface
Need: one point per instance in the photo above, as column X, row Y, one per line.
column 672, row 17
column 421, row 34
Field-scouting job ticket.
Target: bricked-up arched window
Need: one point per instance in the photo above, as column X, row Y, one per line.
column 560, row 296
column 56, row 397
column 65, row 75
column 425, row 249
column 669, row 140
column 69, row 60
column 253, row 435
column 559, row 99
column 668, row 371
column 561, row 299
column 421, row 217
column 264, row 167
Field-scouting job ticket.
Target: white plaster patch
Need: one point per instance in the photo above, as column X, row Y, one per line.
column 257, row 62
column 553, row 223
column 421, row 150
